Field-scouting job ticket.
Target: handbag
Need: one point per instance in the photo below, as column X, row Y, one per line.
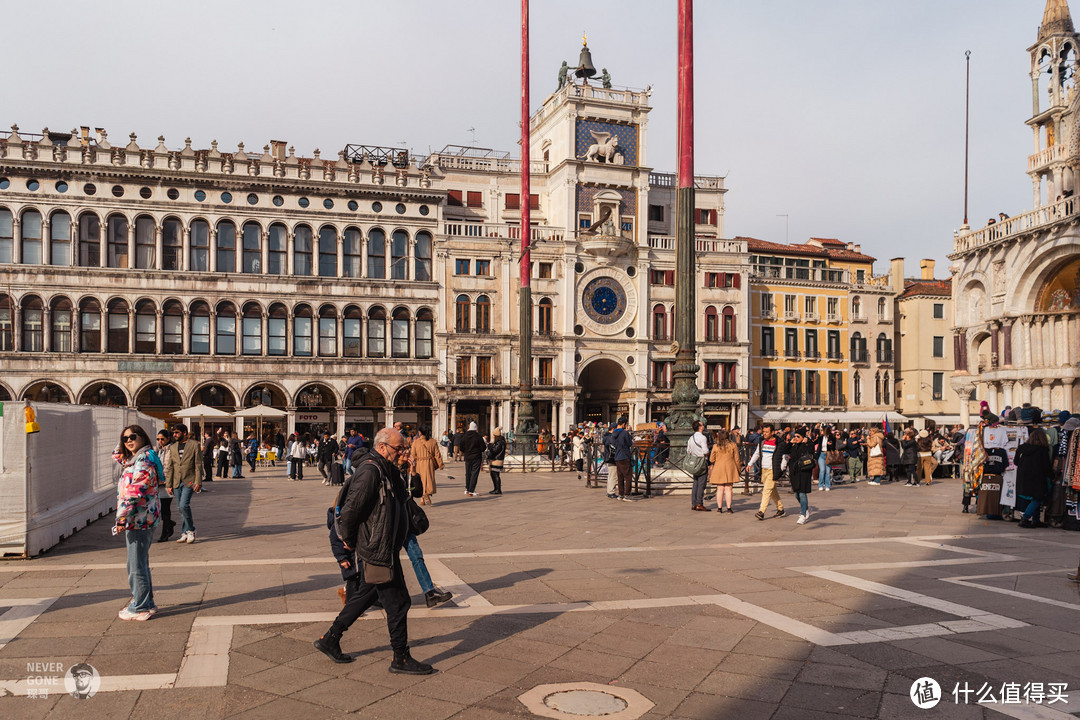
column 875, row 451
column 377, row 574
column 834, row 457
column 418, row 519
column 694, row 464
column 804, row 463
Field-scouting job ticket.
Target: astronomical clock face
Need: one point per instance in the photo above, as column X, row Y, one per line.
column 607, row 301
column 604, row 300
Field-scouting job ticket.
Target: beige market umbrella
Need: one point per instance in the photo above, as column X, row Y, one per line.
column 201, row 412
column 259, row 412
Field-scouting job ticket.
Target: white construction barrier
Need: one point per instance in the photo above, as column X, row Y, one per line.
column 57, row 481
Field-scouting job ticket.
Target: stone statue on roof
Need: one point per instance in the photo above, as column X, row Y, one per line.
column 563, row 70
column 605, row 78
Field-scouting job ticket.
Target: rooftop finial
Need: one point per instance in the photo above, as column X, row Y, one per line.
column 584, row 40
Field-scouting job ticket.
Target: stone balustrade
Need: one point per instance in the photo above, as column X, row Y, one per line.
column 99, row 153
column 702, row 245
column 538, row 233
column 669, row 180
column 1054, row 153
column 999, row 231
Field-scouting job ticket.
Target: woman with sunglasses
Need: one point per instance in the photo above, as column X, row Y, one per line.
column 137, row 512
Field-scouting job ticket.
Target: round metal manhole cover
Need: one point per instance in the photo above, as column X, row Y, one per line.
column 586, row 703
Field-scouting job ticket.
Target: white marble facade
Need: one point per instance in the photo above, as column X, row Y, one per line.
column 1016, row 282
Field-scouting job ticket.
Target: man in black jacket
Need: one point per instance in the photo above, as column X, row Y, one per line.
column 374, row 523
column 472, row 450
column 328, row 448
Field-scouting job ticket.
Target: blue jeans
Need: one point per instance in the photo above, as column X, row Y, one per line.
column 236, row 468
column 824, row 473
column 804, row 502
column 412, row 547
column 138, row 567
column 183, row 501
column 1032, row 510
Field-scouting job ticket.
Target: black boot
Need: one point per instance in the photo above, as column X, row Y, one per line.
column 497, row 482
column 406, row 665
column 167, row 531
column 436, row 596
column 966, row 510
column 330, row 646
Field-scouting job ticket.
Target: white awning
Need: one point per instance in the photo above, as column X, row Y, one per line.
column 849, row 417
column 943, row 419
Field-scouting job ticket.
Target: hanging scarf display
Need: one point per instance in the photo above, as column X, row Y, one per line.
column 974, row 457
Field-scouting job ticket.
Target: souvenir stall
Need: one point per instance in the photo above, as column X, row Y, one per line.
column 989, row 472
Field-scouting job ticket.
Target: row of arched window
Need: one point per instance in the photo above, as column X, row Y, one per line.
column 225, row 247
column 470, row 316
column 720, row 326
column 222, row 329
column 882, row 308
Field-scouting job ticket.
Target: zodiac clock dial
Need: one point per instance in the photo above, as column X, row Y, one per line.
column 604, row 300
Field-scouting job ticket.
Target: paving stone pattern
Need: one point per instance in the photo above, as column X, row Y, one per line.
column 548, row 540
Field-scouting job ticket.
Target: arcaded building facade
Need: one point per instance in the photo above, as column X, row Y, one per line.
column 369, row 287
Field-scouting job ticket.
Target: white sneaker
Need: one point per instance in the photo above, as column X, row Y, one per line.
column 190, row 537
column 828, row 489
column 801, row 520
column 873, row 482
column 806, row 516
column 143, row 616
column 183, row 538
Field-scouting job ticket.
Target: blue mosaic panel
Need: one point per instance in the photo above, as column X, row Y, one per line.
column 586, row 193
column 627, row 134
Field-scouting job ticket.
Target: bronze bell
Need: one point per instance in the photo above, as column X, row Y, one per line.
column 585, row 67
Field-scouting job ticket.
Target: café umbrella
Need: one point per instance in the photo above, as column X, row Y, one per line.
column 201, row 412
column 259, row 412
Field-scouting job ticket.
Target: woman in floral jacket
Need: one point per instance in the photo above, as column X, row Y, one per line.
column 137, row 512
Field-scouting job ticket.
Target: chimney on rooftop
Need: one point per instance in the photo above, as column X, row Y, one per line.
column 858, row 248
column 851, row 246
column 277, row 149
column 927, row 267
column 896, row 274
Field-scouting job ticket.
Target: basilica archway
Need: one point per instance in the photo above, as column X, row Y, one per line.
column 602, row 395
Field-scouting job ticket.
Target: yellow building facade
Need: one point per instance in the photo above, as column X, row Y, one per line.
column 821, row 333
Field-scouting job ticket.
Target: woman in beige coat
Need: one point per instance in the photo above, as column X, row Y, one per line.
column 724, row 468
column 875, row 463
column 426, row 460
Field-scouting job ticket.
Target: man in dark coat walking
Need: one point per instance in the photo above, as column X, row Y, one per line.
column 374, row 524
column 472, row 450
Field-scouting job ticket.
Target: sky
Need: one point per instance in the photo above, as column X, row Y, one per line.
column 831, row 118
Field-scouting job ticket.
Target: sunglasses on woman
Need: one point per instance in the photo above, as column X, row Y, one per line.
column 130, row 438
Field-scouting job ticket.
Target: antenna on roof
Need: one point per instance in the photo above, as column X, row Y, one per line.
column 785, row 227
column 473, row 131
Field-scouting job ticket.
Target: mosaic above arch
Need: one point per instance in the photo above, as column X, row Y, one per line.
column 1061, row 292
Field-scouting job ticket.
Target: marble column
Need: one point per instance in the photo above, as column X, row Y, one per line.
column 964, row 393
column 453, row 415
column 158, row 248
column 131, row 324
column 340, row 422
column 159, row 332
column 1007, row 394
column 46, row 328
column 185, row 249
column 1025, row 390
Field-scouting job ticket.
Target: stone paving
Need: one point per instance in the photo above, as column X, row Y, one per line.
column 705, row 615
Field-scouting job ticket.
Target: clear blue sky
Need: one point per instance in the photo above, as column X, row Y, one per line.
column 845, row 115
